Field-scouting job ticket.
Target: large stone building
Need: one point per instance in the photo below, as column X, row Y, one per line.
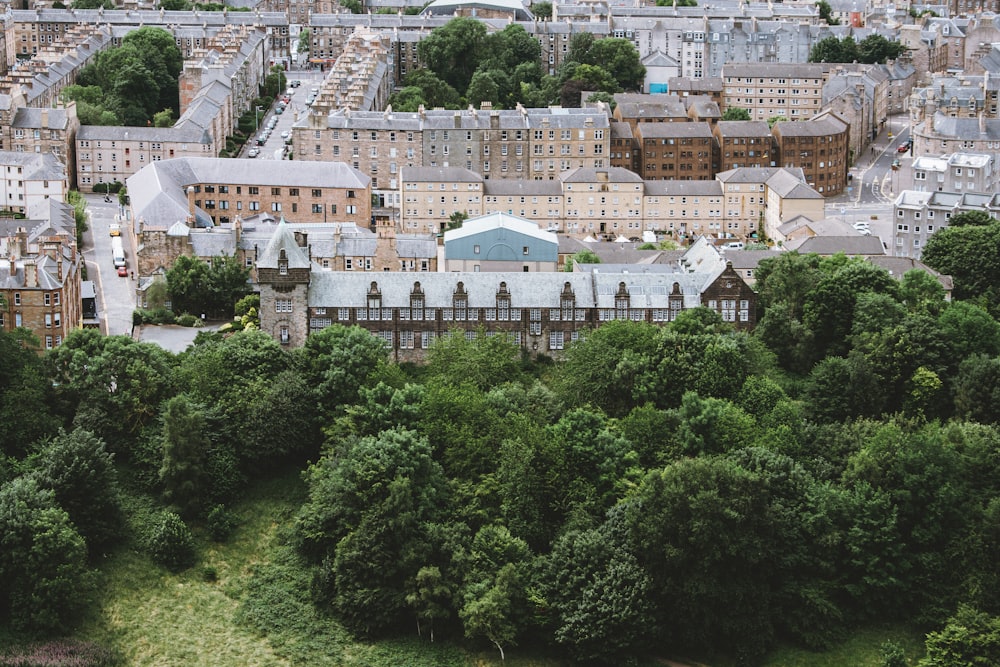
column 539, row 312
column 790, row 90
column 40, row 273
column 613, row 202
column 819, row 147
column 520, row 144
column 204, row 192
column 918, row 215
column 956, row 172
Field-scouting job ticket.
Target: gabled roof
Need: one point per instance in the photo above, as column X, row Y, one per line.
column 487, row 223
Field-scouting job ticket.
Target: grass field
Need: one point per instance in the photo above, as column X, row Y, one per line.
column 254, row 609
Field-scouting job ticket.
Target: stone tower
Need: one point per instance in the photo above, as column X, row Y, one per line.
column 283, row 273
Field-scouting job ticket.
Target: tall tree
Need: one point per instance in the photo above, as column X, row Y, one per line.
column 454, row 50
column 183, row 476
column 80, row 472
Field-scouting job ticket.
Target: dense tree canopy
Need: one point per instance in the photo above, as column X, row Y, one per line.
column 681, row 488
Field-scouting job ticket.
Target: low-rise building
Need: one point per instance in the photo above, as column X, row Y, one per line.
column 918, row 215
column 500, row 242
column 956, row 172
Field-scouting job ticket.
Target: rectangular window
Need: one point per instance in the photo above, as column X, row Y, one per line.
column 406, row 340
column 426, row 339
column 282, row 305
column 556, row 340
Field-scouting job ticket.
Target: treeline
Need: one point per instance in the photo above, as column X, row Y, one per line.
column 684, row 489
column 466, row 65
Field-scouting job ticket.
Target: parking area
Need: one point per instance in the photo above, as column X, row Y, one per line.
column 273, row 137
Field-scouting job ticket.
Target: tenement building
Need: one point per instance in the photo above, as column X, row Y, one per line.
column 540, row 312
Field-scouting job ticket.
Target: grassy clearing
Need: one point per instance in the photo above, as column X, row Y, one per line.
column 862, row 649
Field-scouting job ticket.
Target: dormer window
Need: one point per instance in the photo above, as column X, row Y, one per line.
column 621, row 302
column 283, row 263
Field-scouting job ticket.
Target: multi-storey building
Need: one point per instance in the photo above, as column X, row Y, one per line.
column 539, row 312
column 43, row 131
column 819, row 147
column 215, row 89
column 624, row 148
column 500, row 242
column 680, row 151
column 40, row 273
column 204, row 192
column 790, row 90
column 517, row 143
column 28, row 179
column 918, row 215
column 613, row 202
column 743, row 143
column 957, row 172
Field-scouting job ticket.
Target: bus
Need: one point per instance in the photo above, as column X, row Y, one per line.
column 117, row 252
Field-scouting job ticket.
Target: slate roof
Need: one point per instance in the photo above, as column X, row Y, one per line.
column 831, row 245
column 283, row 239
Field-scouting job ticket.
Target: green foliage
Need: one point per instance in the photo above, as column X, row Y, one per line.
column 826, row 13
column 338, row 361
column 213, row 288
column 872, row 49
column 185, row 445
column 26, row 396
column 43, row 560
column 968, row 253
column 60, row 652
column 484, row 362
column 170, row 542
column 581, row 257
column 136, row 80
column 80, row 472
column 220, row 523
column 453, row 51
column 736, row 113
column 970, row 637
column 305, row 40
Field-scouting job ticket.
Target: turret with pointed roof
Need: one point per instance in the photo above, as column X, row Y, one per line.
column 284, row 271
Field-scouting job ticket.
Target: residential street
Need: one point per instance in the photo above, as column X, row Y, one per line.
column 115, row 295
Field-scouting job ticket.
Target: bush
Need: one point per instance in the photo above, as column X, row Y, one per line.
column 154, row 316
column 101, row 188
column 209, row 574
column 244, row 305
column 170, row 543
column 220, row 523
column 188, row 320
column 59, row 653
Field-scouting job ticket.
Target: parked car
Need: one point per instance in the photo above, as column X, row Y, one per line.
column 285, row 134
column 903, row 147
column 295, row 83
column 123, row 271
column 115, row 229
column 254, row 152
column 279, row 110
column 261, row 140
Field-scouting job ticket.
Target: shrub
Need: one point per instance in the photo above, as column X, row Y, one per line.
column 220, row 523
column 209, row 574
column 187, row 320
column 244, row 305
column 101, row 188
column 60, row 653
column 154, row 316
column 170, row 543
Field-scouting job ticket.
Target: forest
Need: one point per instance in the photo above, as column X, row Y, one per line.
column 656, row 492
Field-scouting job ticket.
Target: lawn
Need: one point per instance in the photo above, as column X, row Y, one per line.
column 862, row 649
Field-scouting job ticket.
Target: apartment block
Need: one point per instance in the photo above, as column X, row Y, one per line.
column 956, row 172
column 43, row 130
column 791, row 90
column 743, row 143
column 918, row 215
column 678, row 151
column 819, row 147
column 29, row 179
column 517, row 143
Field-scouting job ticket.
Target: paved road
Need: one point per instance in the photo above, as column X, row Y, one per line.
column 115, row 295
column 273, row 149
column 873, row 177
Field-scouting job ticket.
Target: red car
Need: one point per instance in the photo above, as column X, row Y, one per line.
column 123, row 271
column 904, row 147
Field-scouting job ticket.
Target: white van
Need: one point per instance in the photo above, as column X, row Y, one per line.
column 734, row 245
column 117, row 251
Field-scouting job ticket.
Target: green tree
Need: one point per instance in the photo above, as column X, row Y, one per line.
column 26, row 395
column 163, row 118
column 826, row 13
column 408, row 98
column 454, row 50
column 483, row 88
column 581, row 257
column 877, row 49
column 833, row 50
column 484, row 362
column 43, row 560
column 493, row 609
column 183, row 474
column 338, row 362
column 971, row 219
column 599, row 596
column 305, row 41
column 970, row 254
column 434, row 92
column 80, row 472
column 542, row 10
column 371, row 501
column 211, row 289
column 736, row 113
